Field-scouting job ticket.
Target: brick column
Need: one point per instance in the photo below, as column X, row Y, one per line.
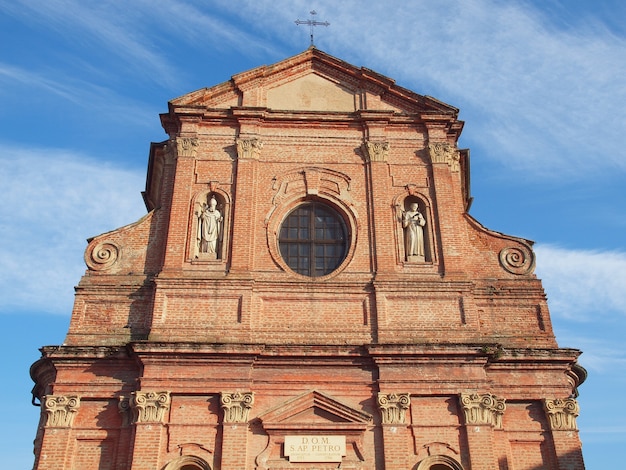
column 393, row 410
column 236, row 406
column 55, row 441
column 482, row 413
column 149, row 412
column 562, row 415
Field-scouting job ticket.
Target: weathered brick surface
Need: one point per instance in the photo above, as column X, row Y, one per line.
column 151, row 314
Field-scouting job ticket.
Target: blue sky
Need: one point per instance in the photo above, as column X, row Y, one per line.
column 540, row 85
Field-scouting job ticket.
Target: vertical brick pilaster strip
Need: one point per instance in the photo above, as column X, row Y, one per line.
column 186, row 149
column 482, row 414
column 448, row 199
column 58, row 412
column 561, row 414
column 150, row 410
column 243, row 239
column 236, row 407
column 396, row 437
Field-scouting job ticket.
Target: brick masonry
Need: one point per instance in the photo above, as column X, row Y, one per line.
column 180, row 359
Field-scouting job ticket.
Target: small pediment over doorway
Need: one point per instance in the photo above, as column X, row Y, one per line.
column 313, row 415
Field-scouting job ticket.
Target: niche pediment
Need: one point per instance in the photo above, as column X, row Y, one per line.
column 315, row 410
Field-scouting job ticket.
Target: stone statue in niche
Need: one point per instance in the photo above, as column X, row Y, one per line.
column 413, row 224
column 209, row 228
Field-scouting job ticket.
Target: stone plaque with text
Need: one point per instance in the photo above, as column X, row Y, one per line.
column 315, row 448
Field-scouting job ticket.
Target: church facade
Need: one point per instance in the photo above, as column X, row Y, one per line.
column 308, row 291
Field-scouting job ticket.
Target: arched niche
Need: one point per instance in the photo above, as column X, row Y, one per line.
column 187, row 462
column 414, row 222
column 438, row 462
column 209, row 228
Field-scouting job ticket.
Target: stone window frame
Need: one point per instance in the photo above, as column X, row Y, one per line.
column 286, row 207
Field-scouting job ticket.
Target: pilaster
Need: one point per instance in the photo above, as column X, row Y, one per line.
column 149, row 413
column 396, row 438
column 58, row 413
column 482, row 413
column 562, row 415
column 236, row 407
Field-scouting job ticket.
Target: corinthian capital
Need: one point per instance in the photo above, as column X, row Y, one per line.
column 393, row 407
column 562, row 413
column 376, row 151
column 443, row 152
column 248, row 148
column 483, row 409
column 236, row 406
column 149, row 407
column 187, row 146
column 60, row 410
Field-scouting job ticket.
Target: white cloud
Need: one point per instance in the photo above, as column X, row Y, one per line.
column 547, row 94
column 581, row 284
column 52, row 201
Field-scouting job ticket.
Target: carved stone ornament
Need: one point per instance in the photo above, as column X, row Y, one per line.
column 60, row 410
column 483, row 409
column 248, row 148
column 562, row 413
column 443, row 152
column 236, row 406
column 376, row 151
column 517, row 260
column 393, row 407
column 102, row 256
column 187, row 146
column 123, row 406
column 149, row 407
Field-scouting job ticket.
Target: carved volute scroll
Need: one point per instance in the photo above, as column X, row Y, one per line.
column 443, row 152
column 248, row 148
column 102, row 256
column 483, row 409
column 375, row 151
column 562, row 413
column 517, row 260
column 60, row 410
column 236, row 406
column 149, row 407
column 393, row 407
column 123, row 406
column 187, row 146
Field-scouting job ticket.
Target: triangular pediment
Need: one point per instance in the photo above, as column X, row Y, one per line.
column 313, row 81
column 314, row 408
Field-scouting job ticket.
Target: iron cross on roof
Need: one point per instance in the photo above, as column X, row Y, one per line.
column 312, row 23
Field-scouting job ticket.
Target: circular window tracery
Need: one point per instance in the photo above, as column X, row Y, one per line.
column 313, row 239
